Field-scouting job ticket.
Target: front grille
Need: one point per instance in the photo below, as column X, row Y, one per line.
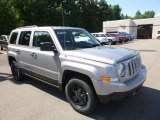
column 133, row 67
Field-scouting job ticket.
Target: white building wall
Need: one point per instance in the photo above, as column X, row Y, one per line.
column 130, row 26
column 118, row 25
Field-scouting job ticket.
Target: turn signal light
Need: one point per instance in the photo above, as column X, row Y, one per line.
column 106, row 79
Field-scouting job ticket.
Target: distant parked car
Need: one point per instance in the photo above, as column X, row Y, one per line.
column 146, row 36
column 101, row 37
column 120, row 37
column 114, row 40
column 158, row 36
column 130, row 36
column 4, row 41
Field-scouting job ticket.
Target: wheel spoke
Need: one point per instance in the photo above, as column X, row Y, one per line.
column 79, row 96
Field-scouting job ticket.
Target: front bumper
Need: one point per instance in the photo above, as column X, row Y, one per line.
column 117, row 95
column 116, row 90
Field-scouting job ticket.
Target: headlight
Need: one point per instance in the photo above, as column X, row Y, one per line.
column 121, row 70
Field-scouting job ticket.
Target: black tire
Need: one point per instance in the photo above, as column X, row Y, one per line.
column 159, row 37
column 81, row 96
column 110, row 42
column 16, row 72
column 114, row 43
column 120, row 41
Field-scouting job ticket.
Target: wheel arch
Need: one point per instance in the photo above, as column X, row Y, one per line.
column 69, row 74
column 10, row 59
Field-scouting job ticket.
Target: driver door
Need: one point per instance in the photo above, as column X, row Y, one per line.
column 44, row 62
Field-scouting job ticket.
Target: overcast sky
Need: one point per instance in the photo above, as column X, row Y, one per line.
column 130, row 7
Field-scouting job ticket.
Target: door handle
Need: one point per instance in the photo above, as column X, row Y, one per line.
column 17, row 51
column 34, row 55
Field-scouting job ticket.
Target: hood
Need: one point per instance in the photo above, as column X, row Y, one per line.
column 109, row 55
column 121, row 37
column 111, row 37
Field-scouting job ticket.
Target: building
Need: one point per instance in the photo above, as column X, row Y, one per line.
column 141, row 28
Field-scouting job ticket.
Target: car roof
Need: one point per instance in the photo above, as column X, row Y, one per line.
column 4, row 35
column 97, row 33
column 34, row 27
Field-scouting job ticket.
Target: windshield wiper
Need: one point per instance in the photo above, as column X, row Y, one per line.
column 95, row 45
column 89, row 46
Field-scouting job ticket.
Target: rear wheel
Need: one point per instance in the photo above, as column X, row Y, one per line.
column 81, row 96
column 159, row 37
column 110, row 42
column 114, row 43
column 16, row 72
column 120, row 41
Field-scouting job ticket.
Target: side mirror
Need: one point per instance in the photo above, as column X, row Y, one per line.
column 47, row 46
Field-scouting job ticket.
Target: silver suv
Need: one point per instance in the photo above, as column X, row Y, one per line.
column 74, row 61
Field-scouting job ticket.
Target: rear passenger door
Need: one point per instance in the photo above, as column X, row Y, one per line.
column 45, row 66
column 23, row 50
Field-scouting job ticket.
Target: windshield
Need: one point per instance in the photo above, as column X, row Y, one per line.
column 71, row 39
column 120, row 34
column 113, row 35
column 108, row 35
column 102, row 35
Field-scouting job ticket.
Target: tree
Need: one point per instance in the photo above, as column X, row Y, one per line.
column 138, row 15
column 88, row 14
column 117, row 12
column 148, row 14
column 9, row 17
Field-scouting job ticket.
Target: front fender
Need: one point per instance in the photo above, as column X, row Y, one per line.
column 90, row 71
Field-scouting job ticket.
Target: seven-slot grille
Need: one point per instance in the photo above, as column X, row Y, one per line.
column 133, row 67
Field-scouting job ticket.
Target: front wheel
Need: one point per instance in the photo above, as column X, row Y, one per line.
column 16, row 72
column 159, row 37
column 81, row 96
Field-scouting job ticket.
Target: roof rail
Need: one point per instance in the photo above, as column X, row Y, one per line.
column 28, row 26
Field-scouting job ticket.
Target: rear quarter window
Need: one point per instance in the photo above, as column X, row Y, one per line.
column 13, row 37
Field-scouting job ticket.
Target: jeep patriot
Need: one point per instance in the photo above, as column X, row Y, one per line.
column 74, row 61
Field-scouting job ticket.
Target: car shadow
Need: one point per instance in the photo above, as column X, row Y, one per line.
column 5, row 76
column 38, row 84
column 52, row 90
column 145, row 105
column 147, row 50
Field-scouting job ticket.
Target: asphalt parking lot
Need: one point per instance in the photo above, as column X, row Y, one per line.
column 33, row 100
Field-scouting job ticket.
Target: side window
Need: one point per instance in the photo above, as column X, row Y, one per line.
column 96, row 35
column 158, row 32
column 5, row 39
column 41, row 36
column 1, row 38
column 24, row 38
column 13, row 38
